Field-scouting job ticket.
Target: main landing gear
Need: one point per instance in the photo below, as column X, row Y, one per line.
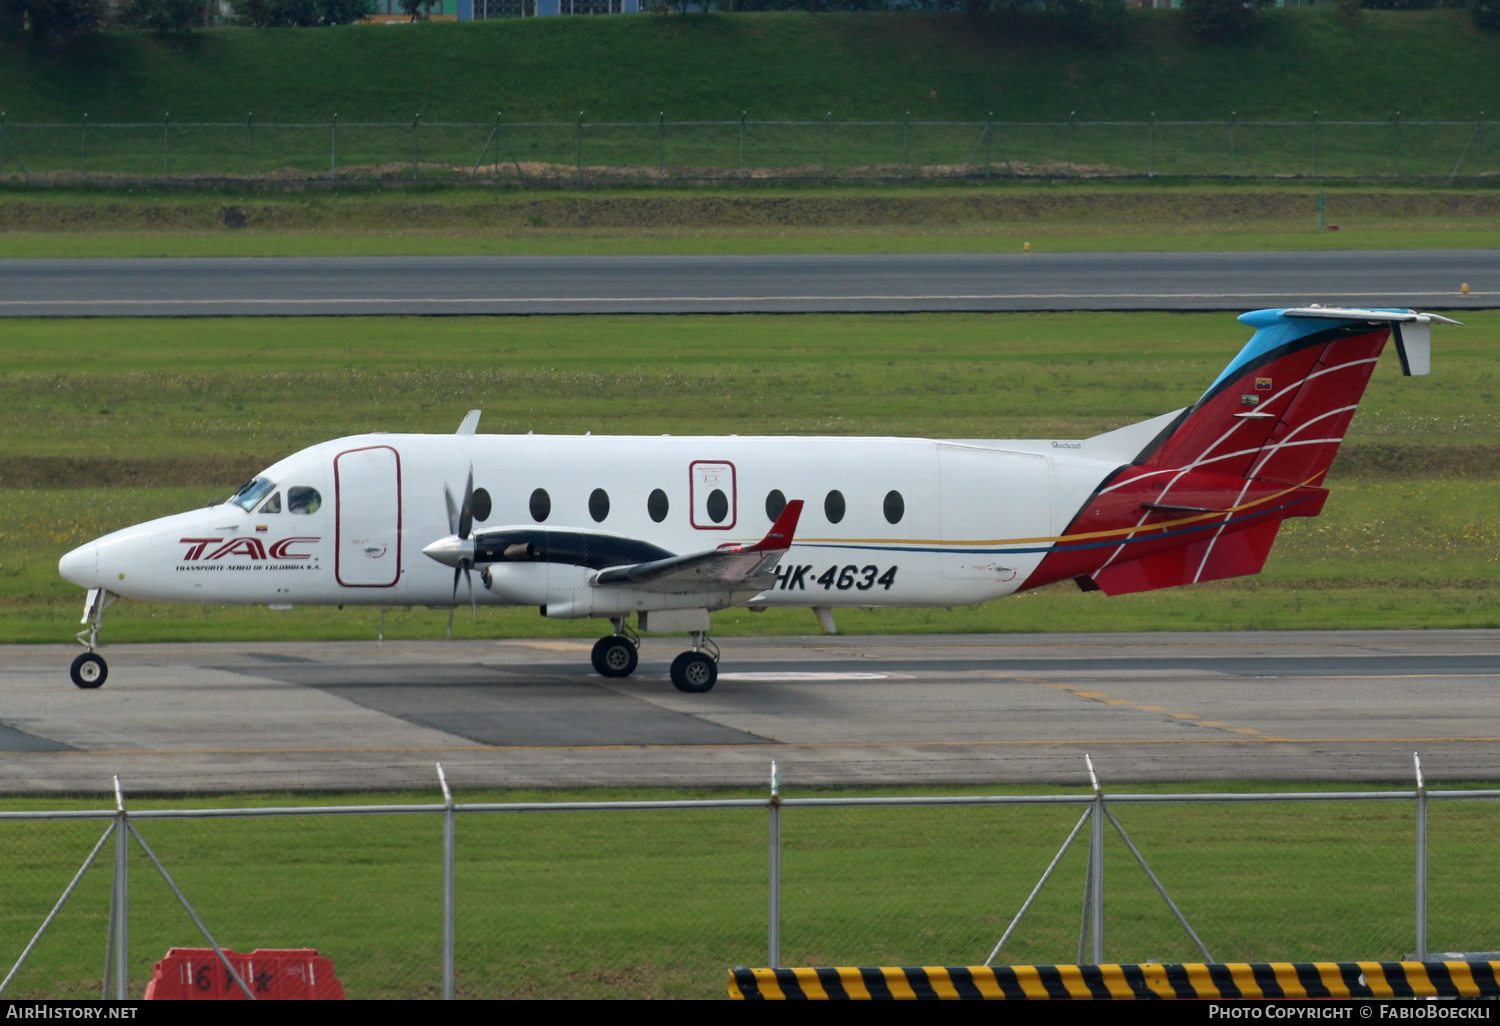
column 618, row 654
column 90, row 670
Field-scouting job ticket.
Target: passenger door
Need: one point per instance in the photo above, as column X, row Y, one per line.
column 367, row 487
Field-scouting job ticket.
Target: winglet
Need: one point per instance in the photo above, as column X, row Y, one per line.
column 470, row 424
column 779, row 537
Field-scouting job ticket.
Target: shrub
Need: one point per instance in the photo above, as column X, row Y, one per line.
column 1221, row 20
column 164, row 15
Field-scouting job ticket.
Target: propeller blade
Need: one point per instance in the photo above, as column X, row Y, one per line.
column 466, row 512
column 452, row 511
column 458, row 570
column 473, row 605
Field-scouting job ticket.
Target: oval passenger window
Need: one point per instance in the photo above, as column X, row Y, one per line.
column 481, row 505
column 895, row 507
column 541, row 505
column 775, row 503
column 717, row 505
column 833, row 506
column 598, row 504
column 657, row 505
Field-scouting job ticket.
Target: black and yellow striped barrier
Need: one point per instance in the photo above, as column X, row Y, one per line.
column 1113, row 982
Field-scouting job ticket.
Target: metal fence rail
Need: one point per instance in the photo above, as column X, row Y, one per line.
column 660, row 897
column 581, row 152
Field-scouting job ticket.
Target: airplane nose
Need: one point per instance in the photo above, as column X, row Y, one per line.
column 81, row 566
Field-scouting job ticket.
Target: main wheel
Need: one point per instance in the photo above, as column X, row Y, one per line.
column 615, row 656
column 694, row 672
column 88, row 670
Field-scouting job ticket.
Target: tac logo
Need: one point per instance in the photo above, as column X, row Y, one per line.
column 246, row 548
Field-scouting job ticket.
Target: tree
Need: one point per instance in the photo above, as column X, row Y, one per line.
column 415, row 9
column 1221, row 20
column 1486, row 14
column 304, row 13
column 53, row 21
column 164, row 16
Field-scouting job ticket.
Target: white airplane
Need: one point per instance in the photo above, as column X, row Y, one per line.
column 671, row 529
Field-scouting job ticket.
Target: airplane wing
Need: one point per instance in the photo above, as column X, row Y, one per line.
column 728, row 567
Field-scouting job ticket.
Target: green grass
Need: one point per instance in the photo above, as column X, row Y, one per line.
column 1000, row 217
column 183, row 409
column 661, row 904
column 1431, row 64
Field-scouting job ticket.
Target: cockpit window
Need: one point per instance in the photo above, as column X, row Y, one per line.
column 252, row 492
column 301, row 499
column 272, row 505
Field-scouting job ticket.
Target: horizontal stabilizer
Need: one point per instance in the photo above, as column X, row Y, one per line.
column 732, row 567
column 1233, row 554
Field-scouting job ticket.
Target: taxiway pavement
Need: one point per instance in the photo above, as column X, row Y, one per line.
column 1298, row 706
column 875, row 283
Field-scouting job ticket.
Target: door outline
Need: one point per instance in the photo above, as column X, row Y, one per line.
column 734, row 496
column 338, row 519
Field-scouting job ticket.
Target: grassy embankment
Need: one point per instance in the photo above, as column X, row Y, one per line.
column 937, row 68
column 654, row 904
column 111, row 422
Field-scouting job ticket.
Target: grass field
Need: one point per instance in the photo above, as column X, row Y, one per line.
column 1002, row 217
column 943, row 67
column 661, row 904
column 112, row 422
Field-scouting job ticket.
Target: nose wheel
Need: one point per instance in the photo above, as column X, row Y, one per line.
column 89, row 670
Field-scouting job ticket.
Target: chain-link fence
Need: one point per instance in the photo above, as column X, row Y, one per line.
column 659, row 898
column 583, row 152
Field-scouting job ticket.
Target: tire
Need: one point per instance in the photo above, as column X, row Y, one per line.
column 88, row 670
column 694, row 673
column 615, row 656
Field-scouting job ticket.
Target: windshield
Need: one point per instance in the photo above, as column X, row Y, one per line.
column 251, row 493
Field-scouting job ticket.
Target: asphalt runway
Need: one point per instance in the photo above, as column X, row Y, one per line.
column 1427, row 279
column 1295, row 706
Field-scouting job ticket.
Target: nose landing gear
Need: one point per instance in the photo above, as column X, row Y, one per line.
column 617, row 654
column 90, row 670
column 697, row 671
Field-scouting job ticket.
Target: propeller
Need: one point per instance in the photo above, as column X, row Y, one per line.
column 458, row 550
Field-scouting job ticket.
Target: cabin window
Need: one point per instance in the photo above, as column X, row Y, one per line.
column 717, row 506
column 775, row 503
column 272, row 505
column 301, row 499
column 657, row 505
column 598, row 504
column 833, row 506
column 481, row 505
column 252, row 492
column 895, row 507
column 541, row 505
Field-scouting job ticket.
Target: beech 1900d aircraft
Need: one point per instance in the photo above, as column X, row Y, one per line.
column 671, row 529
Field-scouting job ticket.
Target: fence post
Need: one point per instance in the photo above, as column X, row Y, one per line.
column 1396, row 146
column 742, row 144
column 121, row 902
column 825, row 142
column 1151, row 146
column 249, row 124
column 1070, row 142
column 773, row 916
column 906, row 146
column 1096, row 870
column 85, row 144
column 1233, row 117
column 449, row 844
column 2, row 143
column 579, row 155
column 661, row 144
column 1315, row 144
column 414, row 122
column 989, row 145
column 166, row 145
column 333, row 149
column 1421, row 860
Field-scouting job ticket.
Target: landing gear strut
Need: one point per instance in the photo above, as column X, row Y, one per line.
column 697, row 671
column 617, row 654
column 90, row 670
